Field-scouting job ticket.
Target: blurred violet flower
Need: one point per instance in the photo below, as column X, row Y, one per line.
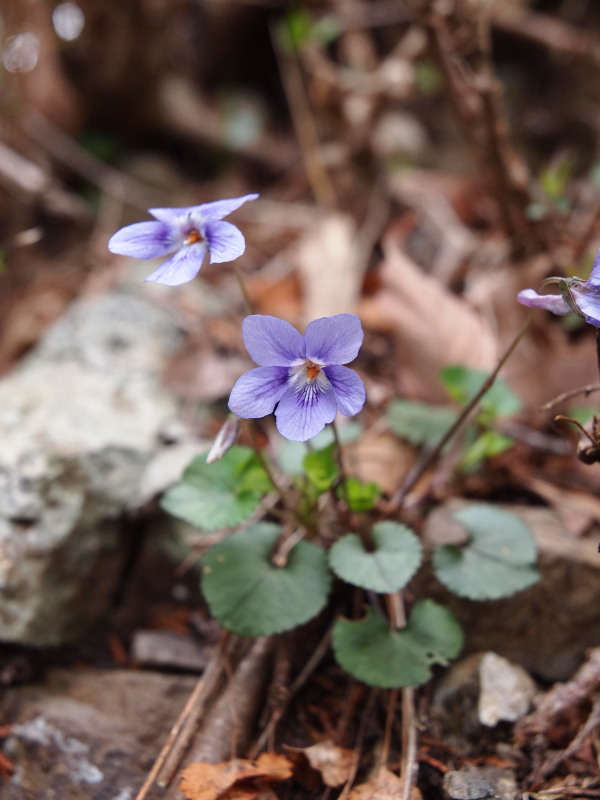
column 581, row 297
column 302, row 375
column 188, row 233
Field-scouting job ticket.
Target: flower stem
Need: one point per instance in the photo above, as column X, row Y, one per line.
column 265, row 463
column 434, row 454
column 243, row 288
column 340, row 461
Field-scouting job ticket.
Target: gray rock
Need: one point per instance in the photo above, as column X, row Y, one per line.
column 89, row 734
column 80, row 421
column 168, row 649
column 480, row 783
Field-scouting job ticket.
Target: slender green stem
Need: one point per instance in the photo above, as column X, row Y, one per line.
column 243, row 288
column 434, row 454
column 340, row 460
column 265, row 463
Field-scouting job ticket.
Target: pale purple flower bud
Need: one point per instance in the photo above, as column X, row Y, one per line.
column 224, row 440
column 582, row 297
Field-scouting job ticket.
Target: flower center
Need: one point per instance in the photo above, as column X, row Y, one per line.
column 193, row 236
column 312, row 370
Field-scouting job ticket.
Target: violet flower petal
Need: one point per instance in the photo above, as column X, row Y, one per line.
column 549, row 302
column 143, row 240
column 220, row 208
column 272, row 342
column 594, row 280
column 225, row 241
column 182, row 267
column 173, row 217
column 256, row 392
column 348, row 388
column 589, row 305
column 303, row 414
column 334, row 340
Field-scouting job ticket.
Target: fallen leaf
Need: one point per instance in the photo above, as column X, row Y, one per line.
column 381, row 458
column 433, row 327
column 278, row 296
column 383, row 786
column 202, row 781
column 576, row 509
column 335, row 764
column 327, row 264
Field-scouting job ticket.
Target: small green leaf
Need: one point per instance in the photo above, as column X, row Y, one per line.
column 298, row 29
column 498, row 560
column 389, row 567
column 463, row 383
column 359, row 495
column 427, row 77
column 219, row 495
column 555, row 178
column 291, row 454
column 376, row 654
column 321, row 468
column 419, row 423
column 487, row 445
column 251, row 596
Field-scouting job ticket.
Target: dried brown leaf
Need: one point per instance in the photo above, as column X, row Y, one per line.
column 385, row 785
column 433, row 327
column 202, row 781
column 335, row 764
column 576, row 509
column 382, row 458
column 326, row 262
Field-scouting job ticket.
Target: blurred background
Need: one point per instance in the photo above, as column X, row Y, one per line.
column 467, row 129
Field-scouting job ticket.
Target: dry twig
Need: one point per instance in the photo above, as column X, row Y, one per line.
column 476, row 96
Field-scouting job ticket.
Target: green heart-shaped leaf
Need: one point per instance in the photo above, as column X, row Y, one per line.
column 376, row 654
column 251, row 596
column 498, row 560
column 218, row 495
column 387, row 568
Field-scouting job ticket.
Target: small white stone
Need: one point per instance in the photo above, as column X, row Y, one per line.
column 506, row 690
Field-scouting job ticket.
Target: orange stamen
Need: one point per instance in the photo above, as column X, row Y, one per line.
column 312, row 370
column 193, row 236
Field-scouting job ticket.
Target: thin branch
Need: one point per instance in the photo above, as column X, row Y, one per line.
column 362, row 728
column 409, row 741
column 243, row 288
column 317, row 655
column 476, row 96
column 66, row 150
column 434, row 454
column 389, row 722
column 304, row 123
column 182, row 731
column 584, row 390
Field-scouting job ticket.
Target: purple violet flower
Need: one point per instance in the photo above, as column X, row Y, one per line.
column 302, row 375
column 581, row 297
column 187, row 233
